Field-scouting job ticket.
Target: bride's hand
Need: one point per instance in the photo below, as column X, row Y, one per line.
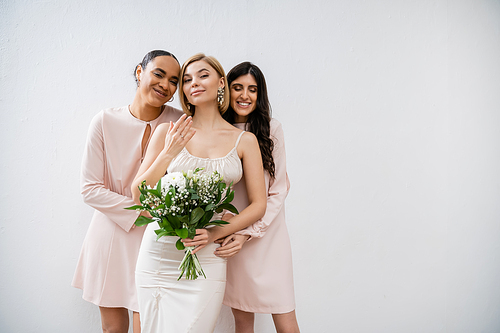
column 202, row 238
column 178, row 135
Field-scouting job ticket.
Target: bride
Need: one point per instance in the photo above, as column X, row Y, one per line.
column 199, row 139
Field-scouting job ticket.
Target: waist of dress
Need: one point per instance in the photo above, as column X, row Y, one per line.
column 161, row 257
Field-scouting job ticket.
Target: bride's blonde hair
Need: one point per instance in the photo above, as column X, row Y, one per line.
column 188, row 108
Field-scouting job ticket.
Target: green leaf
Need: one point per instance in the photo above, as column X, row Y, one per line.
column 227, row 206
column 218, row 192
column 191, row 232
column 184, row 219
column 143, row 220
column 222, row 186
column 206, row 218
column 158, row 186
column 168, row 199
column 210, row 206
column 182, row 233
column 135, row 207
column 162, row 233
column 220, row 189
column 143, row 190
column 166, row 225
column 217, row 222
column 196, row 215
column 229, row 198
column 194, row 196
column 155, row 193
column 179, row 245
column 174, row 221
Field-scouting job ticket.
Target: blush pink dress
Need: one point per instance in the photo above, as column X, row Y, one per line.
column 183, row 306
column 112, row 156
column 260, row 276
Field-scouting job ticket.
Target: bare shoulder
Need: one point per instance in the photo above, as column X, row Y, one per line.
column 248, row 142
column 158, row 137
column 248, row 137
column 162, row 128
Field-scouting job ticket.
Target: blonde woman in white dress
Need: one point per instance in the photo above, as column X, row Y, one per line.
column 203, row 139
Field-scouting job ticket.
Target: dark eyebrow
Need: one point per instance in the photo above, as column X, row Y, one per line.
column 239, row 84
column 160, row 70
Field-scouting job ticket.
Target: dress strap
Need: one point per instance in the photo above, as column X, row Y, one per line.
column 238, row 141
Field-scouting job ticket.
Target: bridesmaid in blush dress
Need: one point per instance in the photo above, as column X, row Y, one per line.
column 260, row 276
column 116, row 142
column 207, row 141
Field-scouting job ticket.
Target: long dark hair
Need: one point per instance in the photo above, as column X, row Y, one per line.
column 258, row 122
column 149, row 57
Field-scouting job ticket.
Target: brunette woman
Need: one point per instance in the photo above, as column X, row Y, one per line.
column 260, row 277
column 116, row 144
column 204, row 141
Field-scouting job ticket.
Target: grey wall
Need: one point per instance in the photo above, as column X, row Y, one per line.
column 391, row 116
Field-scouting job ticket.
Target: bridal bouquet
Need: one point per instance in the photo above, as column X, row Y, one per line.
column 182, row 202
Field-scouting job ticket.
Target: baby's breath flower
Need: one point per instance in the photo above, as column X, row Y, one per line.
column 181, row 187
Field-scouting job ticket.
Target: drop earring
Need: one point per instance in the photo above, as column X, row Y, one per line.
column 220, row 96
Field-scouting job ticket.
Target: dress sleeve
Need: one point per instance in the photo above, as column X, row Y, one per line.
column 94, row 193
column 278, row 187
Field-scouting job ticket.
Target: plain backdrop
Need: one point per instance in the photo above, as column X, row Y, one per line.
column 392, row 125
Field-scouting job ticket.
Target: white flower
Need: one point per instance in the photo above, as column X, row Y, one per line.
column 175, row 179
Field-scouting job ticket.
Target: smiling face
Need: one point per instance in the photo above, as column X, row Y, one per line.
column 200, row 83
column 243, row 96
column 158, row 81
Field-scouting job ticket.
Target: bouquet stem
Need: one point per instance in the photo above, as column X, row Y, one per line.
column 191, row 265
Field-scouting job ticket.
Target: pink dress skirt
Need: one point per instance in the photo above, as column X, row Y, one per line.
column 260, row 276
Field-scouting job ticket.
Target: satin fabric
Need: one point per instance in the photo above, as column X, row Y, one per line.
column 260, row 276
column 230, row 165
column 168, row 305
column 112, row 156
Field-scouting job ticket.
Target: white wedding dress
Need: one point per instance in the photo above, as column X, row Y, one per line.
column 170, row 306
